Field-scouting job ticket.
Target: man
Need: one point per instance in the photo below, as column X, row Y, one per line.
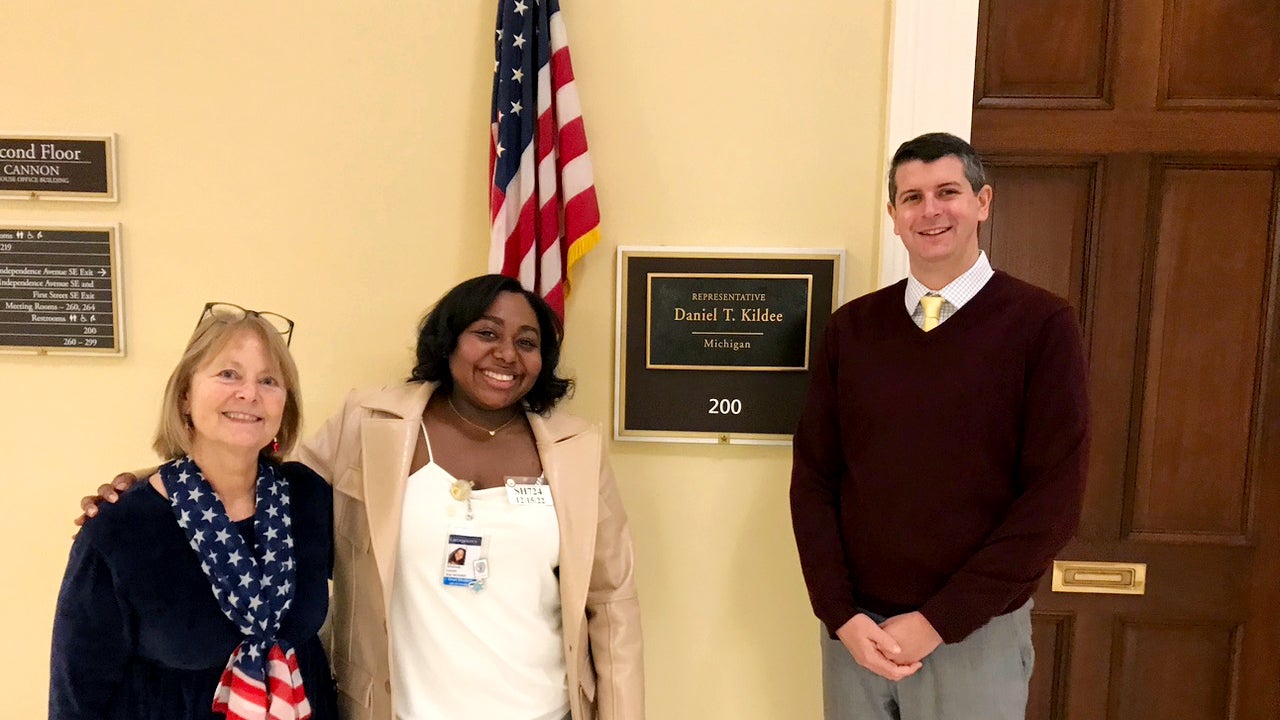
column 939, row 463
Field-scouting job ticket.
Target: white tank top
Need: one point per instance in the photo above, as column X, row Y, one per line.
column 459, row 654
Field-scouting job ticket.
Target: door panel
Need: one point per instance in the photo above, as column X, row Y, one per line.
column 1148, row 655
column 1204, row 337
column 1143, row 185
column 1044, row 54
column 1051, row 634
column 1055, row 197
column 1221, row 54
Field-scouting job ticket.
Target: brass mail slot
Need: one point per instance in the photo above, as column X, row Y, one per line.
column 1112, row 578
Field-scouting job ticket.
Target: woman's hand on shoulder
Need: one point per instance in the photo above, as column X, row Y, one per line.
column 106, row 493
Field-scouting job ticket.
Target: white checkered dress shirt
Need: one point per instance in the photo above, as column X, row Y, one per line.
column 954, row 295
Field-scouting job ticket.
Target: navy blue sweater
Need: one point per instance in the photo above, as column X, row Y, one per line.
column 138, row 634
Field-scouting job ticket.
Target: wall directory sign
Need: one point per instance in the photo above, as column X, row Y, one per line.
column 60, row 290
column 58, row 167
column 714, row 345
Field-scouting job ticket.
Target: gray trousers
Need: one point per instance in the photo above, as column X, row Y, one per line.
column 983, row 677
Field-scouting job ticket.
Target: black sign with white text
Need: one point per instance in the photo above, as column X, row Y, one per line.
column 729, row 321
column 716, row 346
column 57, row 168
column 58, row 291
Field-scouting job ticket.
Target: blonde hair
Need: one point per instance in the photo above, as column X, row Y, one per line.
column 174, row 433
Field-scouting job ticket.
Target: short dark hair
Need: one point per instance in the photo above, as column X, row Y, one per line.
column 934, row 146
column 464, row 304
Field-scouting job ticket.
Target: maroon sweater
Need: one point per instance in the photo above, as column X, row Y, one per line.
column 958, row 519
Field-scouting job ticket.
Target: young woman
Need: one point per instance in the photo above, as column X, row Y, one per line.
column 539, row 620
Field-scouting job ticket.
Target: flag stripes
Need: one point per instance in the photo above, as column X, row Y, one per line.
column 543, row 211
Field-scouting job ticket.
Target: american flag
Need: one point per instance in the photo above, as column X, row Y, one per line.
column 542, row 201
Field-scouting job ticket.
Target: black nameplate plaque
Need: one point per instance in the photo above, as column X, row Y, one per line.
column 59, row 291
column 716, row 345
column 57, row 168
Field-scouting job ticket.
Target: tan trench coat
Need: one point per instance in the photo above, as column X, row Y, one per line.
column 365, row 452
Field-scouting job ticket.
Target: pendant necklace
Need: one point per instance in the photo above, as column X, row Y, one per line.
column 478, row 426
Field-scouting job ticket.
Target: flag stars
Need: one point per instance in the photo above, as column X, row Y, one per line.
column 517, row 75
column 521, row 7
column 518, row 41
column 242, row 578
column 516, row 107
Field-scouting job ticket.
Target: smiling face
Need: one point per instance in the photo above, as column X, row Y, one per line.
column 236, row 399
column 936, row 213
column 497, row 359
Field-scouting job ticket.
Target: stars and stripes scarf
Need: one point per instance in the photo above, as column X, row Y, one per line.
column 254, row 589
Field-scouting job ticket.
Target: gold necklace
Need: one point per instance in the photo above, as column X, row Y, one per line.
column 478, row 426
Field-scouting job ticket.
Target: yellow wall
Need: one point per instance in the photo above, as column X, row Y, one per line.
column 328, row 161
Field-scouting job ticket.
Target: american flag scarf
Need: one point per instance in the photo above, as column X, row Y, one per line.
column 253, row 588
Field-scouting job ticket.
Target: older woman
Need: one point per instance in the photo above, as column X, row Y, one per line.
column 202, row 590
column 541, row 620
column 537, row 619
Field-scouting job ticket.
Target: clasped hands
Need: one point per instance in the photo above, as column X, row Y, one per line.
column 893, row 650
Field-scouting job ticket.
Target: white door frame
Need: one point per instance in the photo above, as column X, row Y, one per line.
column 931, row 63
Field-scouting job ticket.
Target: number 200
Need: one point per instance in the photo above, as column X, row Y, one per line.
column 725, row 406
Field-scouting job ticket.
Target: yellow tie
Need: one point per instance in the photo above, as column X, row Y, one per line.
column 932, row 305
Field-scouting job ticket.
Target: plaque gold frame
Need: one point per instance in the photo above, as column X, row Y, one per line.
column 624, row 254
column 109, row 195
column 117, row 292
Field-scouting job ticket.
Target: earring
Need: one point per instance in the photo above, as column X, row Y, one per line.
column 275, row 446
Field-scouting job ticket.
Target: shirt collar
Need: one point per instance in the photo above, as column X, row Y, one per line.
column 958, row 291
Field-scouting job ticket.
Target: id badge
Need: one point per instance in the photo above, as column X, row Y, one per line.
column 528, row 491
column 465, row 559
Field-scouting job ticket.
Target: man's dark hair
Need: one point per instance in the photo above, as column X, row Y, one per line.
column 464, row 304
column 933, row 146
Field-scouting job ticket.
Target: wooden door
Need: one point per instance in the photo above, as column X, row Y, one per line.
column 1134, row 148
